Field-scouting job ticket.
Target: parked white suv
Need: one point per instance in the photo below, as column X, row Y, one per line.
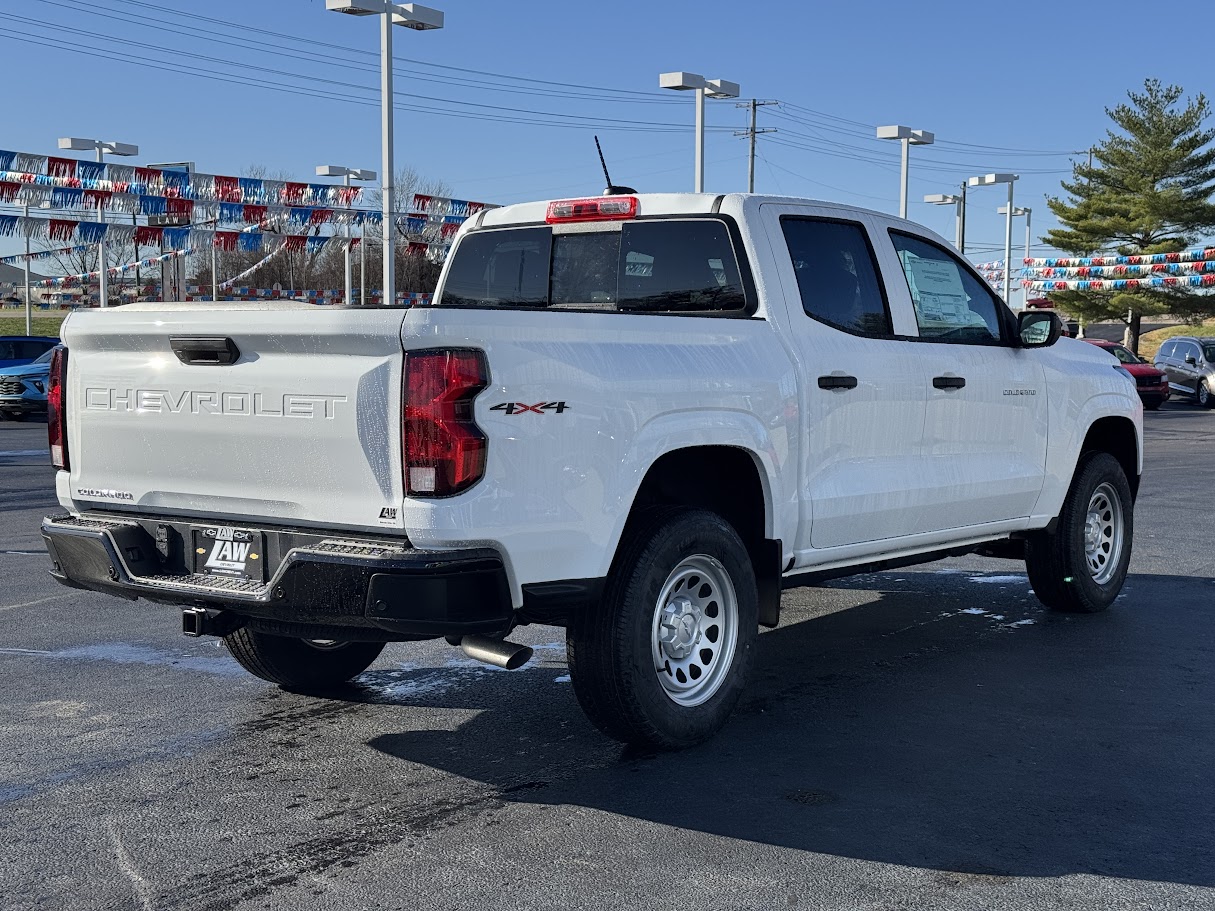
column 637, row 417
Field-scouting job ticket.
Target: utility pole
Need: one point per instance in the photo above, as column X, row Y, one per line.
column 754, row 104
column 962, row 222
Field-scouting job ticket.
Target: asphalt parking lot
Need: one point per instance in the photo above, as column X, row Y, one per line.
column 927, row 738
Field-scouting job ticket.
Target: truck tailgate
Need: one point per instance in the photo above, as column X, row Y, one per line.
column 303, row 425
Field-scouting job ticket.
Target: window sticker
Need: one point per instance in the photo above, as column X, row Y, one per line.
column 937, row 286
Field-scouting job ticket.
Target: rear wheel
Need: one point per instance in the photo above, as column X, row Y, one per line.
column 662, row 660
column 303, row 664
column 1081, row 565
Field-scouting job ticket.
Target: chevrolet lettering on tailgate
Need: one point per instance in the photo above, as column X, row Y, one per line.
column 256, row 404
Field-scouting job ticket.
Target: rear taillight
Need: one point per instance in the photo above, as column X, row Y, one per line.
column 594, row 208
column 56, row 408
column 442, row 446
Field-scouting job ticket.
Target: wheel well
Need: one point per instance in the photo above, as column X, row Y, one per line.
column 721, row 479
column 1117, row 437
column 724, row 480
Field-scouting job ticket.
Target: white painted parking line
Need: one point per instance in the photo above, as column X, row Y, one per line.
column 4, row 607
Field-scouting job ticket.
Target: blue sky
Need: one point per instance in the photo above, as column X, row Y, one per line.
column 991, row 80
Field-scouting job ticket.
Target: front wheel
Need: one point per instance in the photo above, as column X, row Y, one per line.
column 662, row 660
column 300, row 664
column 1081, row 565
column 1203, row 395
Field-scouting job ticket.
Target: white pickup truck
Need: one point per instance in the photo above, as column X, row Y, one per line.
column 639, row 417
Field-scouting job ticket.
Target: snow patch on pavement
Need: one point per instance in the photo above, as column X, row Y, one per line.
column 126, row 653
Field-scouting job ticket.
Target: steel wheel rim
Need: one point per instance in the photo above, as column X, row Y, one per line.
column 694, row 631
column 1103, row 533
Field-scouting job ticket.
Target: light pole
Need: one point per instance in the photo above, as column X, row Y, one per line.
column 419, row 18
column 908, row 137
column 1028, row 213
column 347, row 174
column 177, row 265
column 713, row 88
column 959, row 203
column 990, row 180
column 101, row 148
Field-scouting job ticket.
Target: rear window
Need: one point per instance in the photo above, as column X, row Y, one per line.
column 660, row 266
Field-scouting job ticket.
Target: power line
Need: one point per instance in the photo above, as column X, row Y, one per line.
column 362, row 51
column 583, row 121
column 869, row 128
column 342, row 60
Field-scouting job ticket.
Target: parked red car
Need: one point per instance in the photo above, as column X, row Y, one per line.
column 1152, row 384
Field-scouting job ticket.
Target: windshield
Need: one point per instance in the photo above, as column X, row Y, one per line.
column 1208, row 352
column 45, row 357
column 1123, row 354
column 22, row 349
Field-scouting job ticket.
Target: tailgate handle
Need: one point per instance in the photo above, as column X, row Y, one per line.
column 205, row 352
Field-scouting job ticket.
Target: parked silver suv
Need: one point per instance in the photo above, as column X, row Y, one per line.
column 1189, row 363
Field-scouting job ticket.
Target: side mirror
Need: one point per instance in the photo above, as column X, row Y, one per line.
column 1039, row 329
column 1189, row 359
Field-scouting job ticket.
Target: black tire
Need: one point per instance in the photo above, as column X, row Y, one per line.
column 300, row 664
column 612, row 648
column 1153, row 405
column 1203, row 395
column 1058, row 563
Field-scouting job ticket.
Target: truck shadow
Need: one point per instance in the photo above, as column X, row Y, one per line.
column 917, row 729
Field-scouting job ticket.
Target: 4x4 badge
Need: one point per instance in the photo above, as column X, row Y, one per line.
column 538, row 408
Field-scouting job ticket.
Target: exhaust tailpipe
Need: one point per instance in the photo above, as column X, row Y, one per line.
column 498, row 652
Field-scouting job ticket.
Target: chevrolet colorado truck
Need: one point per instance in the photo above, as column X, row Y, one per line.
column 637, row 417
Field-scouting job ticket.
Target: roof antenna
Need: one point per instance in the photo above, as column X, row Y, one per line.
column 611, row 189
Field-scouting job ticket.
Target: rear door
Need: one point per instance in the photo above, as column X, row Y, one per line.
column 985, row 429
column 1187, row 360
column 302, row 427
column 863, row 399
column 1166, row 362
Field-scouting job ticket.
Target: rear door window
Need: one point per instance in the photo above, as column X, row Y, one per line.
column 1166, row 350
column 685, row 266
column 836, row 275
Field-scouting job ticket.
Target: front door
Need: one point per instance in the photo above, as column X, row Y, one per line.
column 985, row 427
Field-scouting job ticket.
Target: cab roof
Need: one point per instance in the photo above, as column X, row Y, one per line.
column 670, row 204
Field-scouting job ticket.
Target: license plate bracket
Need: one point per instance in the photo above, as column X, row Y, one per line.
column 235, row 553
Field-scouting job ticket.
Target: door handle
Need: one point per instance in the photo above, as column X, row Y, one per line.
column 948, row 382
column 205, row 351
column 836, row 381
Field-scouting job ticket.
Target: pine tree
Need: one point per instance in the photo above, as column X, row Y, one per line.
column 1146, row 189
